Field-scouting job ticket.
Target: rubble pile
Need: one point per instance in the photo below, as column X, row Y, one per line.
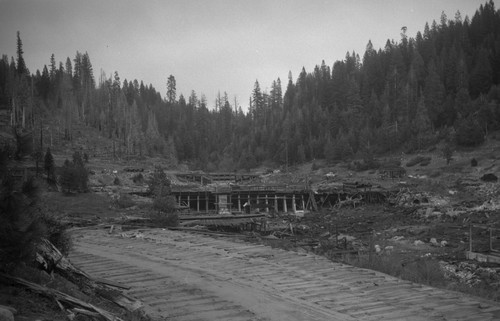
column 471, row 273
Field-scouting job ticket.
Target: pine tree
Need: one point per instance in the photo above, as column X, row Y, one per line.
column 481, row 76
column 53, row 68
column 21, row 65
column 421, row 125
column 69, row 67
column 171, row 89
column 257, row 102
column 434, row 93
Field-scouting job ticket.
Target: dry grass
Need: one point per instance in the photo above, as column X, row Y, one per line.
column 482, row 290
column 81, row 205
column 422, row 271
column 124, row 201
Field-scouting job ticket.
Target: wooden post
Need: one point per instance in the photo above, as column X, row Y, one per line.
column 197, row 202
column 276, row 203
column 267, row 203
column 285, row 210
column 294, row 207
column 303, row 203
column 206, row 202
column 239, row 202
column 189, row 201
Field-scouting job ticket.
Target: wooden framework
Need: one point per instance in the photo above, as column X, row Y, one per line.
column 232, row 199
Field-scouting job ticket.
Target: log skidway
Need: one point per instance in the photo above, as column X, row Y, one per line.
column 182, row 276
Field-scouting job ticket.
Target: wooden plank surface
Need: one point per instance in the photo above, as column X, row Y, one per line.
column 184, row 276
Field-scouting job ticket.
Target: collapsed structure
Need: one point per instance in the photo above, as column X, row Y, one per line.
column 229, row 197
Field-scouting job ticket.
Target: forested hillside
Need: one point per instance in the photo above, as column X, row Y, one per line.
column 443, row 84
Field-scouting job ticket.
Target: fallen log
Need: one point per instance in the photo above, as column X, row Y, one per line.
column 53, row 260
column 74, row 304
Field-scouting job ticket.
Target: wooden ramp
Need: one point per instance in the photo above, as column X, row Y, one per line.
column 183, row 276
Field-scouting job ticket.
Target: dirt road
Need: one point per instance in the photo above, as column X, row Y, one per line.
column 182, row 276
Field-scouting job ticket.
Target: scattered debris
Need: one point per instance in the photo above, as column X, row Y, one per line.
column 392, row 172
column 470, row 273
column 49, row 257
column 490, row 205
column 71, row 305
column 133, row 234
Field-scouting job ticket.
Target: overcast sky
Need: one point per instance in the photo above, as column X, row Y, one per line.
column 211, row 45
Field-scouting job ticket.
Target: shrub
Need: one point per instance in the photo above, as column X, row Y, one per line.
column 163, row 212
column 69, row 178
column 164, row 205
column 489, row 178
column 159, row 184
column 448, row 154
column 469, row 132
column 74, row 176
column 164, row 219
column 20, row 227
column 138, row 179
column 23, row 224
column 124, row 201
